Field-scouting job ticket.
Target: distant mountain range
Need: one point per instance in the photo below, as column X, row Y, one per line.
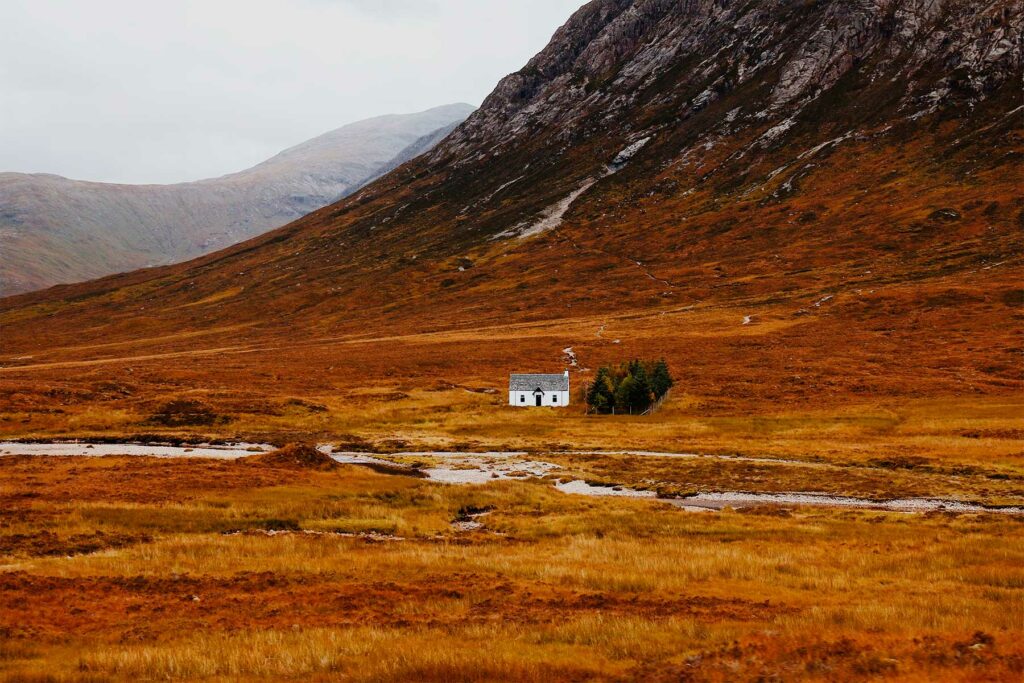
column 55, row 230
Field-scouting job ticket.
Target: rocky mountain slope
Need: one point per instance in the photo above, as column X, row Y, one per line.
column 55, row 230
column 789, row 200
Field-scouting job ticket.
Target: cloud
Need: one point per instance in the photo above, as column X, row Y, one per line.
column 119, row 90
column 391, row 8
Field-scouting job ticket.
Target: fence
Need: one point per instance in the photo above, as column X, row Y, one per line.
column 653, row 408
column 657, row 404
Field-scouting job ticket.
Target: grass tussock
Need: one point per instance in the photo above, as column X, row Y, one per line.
column 294, row 456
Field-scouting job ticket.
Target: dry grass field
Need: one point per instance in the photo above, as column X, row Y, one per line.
column 144, row 569
column 930, row 369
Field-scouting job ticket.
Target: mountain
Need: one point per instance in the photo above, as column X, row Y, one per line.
column 794, row 202
column 56, row 230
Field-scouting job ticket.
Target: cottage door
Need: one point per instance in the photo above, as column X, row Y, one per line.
column 539, row 396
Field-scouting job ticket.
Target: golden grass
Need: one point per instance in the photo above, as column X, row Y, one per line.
column 554, row 586
column 981, row 431
column 480, row 653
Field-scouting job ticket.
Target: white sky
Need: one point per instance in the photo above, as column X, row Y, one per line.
column 170, row 90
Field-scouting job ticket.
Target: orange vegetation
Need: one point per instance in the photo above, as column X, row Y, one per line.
column 243, row 571
column 847, row 297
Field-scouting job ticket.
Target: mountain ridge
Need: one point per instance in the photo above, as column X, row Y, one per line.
column 58, row 229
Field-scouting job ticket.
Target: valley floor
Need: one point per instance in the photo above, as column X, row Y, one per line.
column 118, row 568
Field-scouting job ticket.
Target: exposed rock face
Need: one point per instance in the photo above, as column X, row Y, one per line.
column 55, row 230
column 614, row 55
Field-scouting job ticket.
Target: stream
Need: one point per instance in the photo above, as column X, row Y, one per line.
column 480, row 468
column 231, row 451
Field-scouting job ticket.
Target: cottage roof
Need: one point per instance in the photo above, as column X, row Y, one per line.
column 542, row 382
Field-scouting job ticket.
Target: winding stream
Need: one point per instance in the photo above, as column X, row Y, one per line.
column 739, row 499
column 480, row 468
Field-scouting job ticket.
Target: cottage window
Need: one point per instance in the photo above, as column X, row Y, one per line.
column 522, row 398
column 554, row 399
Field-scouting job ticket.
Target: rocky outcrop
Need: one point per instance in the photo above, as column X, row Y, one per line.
column 616, row 55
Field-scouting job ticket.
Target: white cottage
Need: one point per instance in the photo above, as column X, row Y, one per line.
column 539, row 390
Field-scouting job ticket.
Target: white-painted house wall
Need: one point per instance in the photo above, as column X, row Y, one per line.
column 528, row 399
column 550, row 398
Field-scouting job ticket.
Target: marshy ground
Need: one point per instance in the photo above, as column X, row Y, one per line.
column 116, row 568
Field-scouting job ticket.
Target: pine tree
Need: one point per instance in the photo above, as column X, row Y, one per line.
column 629, row 387
column 600, row 395
column 640, row 393
column 624, row 394
column 661, row 379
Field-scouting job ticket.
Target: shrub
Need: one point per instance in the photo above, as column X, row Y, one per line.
column 185, row 413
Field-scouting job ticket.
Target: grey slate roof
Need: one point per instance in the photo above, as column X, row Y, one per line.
column 542, row 382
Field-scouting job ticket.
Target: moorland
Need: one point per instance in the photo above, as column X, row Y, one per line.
column 817, row 224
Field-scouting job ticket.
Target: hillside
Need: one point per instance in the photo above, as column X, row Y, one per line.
column 801, row 206
column 55, row 230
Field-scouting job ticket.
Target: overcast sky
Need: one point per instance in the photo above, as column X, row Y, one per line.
column 138, row 91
